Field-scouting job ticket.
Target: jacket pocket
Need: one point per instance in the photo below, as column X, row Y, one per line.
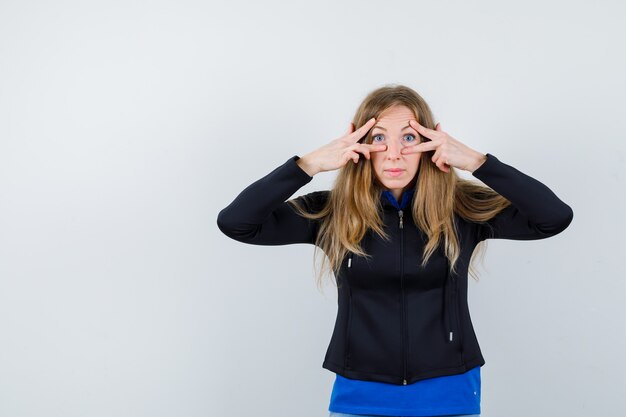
column 456, row 317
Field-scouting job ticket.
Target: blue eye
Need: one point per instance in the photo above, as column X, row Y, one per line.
column 412, row 138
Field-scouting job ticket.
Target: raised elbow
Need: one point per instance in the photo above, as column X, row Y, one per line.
column 562, row 222
column 235, row 229
column 223, row 223
column 568, row 216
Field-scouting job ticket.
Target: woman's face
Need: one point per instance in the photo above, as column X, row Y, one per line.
column 392, row 129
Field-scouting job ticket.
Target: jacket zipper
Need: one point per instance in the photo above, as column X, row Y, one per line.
column 400, row 214
column 349, row 325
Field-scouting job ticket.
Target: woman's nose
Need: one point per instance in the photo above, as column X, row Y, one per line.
column 393, row 149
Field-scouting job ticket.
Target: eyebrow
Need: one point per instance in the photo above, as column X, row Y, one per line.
column 380, row 127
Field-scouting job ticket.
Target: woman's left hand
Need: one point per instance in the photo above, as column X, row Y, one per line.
column 449, row 152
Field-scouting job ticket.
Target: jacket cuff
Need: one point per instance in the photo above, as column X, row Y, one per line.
column 297, row 171
column 488, row 167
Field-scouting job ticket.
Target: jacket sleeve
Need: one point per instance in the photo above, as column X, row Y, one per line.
column 259, row 215
column 535, row 211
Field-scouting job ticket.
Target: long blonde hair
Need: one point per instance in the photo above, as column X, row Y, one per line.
column 354, row 202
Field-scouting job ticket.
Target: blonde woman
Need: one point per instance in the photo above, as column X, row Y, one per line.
column 398, row 228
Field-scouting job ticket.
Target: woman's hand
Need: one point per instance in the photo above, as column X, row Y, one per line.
column 449, row 152
column 339, row 151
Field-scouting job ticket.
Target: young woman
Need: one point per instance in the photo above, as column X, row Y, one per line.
column 398, row 228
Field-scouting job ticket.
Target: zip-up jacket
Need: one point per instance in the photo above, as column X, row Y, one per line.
column 396, row 321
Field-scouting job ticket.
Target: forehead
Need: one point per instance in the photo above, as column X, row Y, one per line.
column 397, row 115
column 394, row 119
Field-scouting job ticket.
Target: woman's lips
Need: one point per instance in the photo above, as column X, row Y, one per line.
column 394, row 172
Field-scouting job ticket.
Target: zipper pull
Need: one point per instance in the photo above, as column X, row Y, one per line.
column 404, row 382
column 350, row 260
column 400, row 214
column 451, row 336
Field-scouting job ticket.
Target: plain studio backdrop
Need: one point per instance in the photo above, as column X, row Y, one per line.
column 126, row 126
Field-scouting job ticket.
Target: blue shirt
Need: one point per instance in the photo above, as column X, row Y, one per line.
column 444, row 395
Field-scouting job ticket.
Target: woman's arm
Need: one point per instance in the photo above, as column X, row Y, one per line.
column 535, row 213
column 260, row 215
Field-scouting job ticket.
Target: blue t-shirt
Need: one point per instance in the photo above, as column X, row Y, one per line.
column 444, row 395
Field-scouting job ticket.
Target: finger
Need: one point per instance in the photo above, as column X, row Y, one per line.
column 424, row 131
column 438, row 127
column 372, row 147
column 354, row 156
column 437, row 160
column 347, row 156
column 441, row 164
column 440, row 161
column 426, row 146
column 362, row 131
column 359, row 149
column 366, row 148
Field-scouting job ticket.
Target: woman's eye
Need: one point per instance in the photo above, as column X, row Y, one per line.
column 411, row 138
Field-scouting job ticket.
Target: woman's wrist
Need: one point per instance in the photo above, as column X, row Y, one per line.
column 480, row 159
column 307, row 166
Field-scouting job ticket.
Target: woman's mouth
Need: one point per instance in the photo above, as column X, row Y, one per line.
column 394, row 172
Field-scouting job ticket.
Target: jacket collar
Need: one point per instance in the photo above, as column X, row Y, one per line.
column 388, row 200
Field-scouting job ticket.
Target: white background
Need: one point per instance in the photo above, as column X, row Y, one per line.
column 125, row 126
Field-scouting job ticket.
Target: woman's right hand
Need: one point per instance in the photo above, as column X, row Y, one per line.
column 339, row 151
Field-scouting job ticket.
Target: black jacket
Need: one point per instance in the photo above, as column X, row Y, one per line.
column 396, row 321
